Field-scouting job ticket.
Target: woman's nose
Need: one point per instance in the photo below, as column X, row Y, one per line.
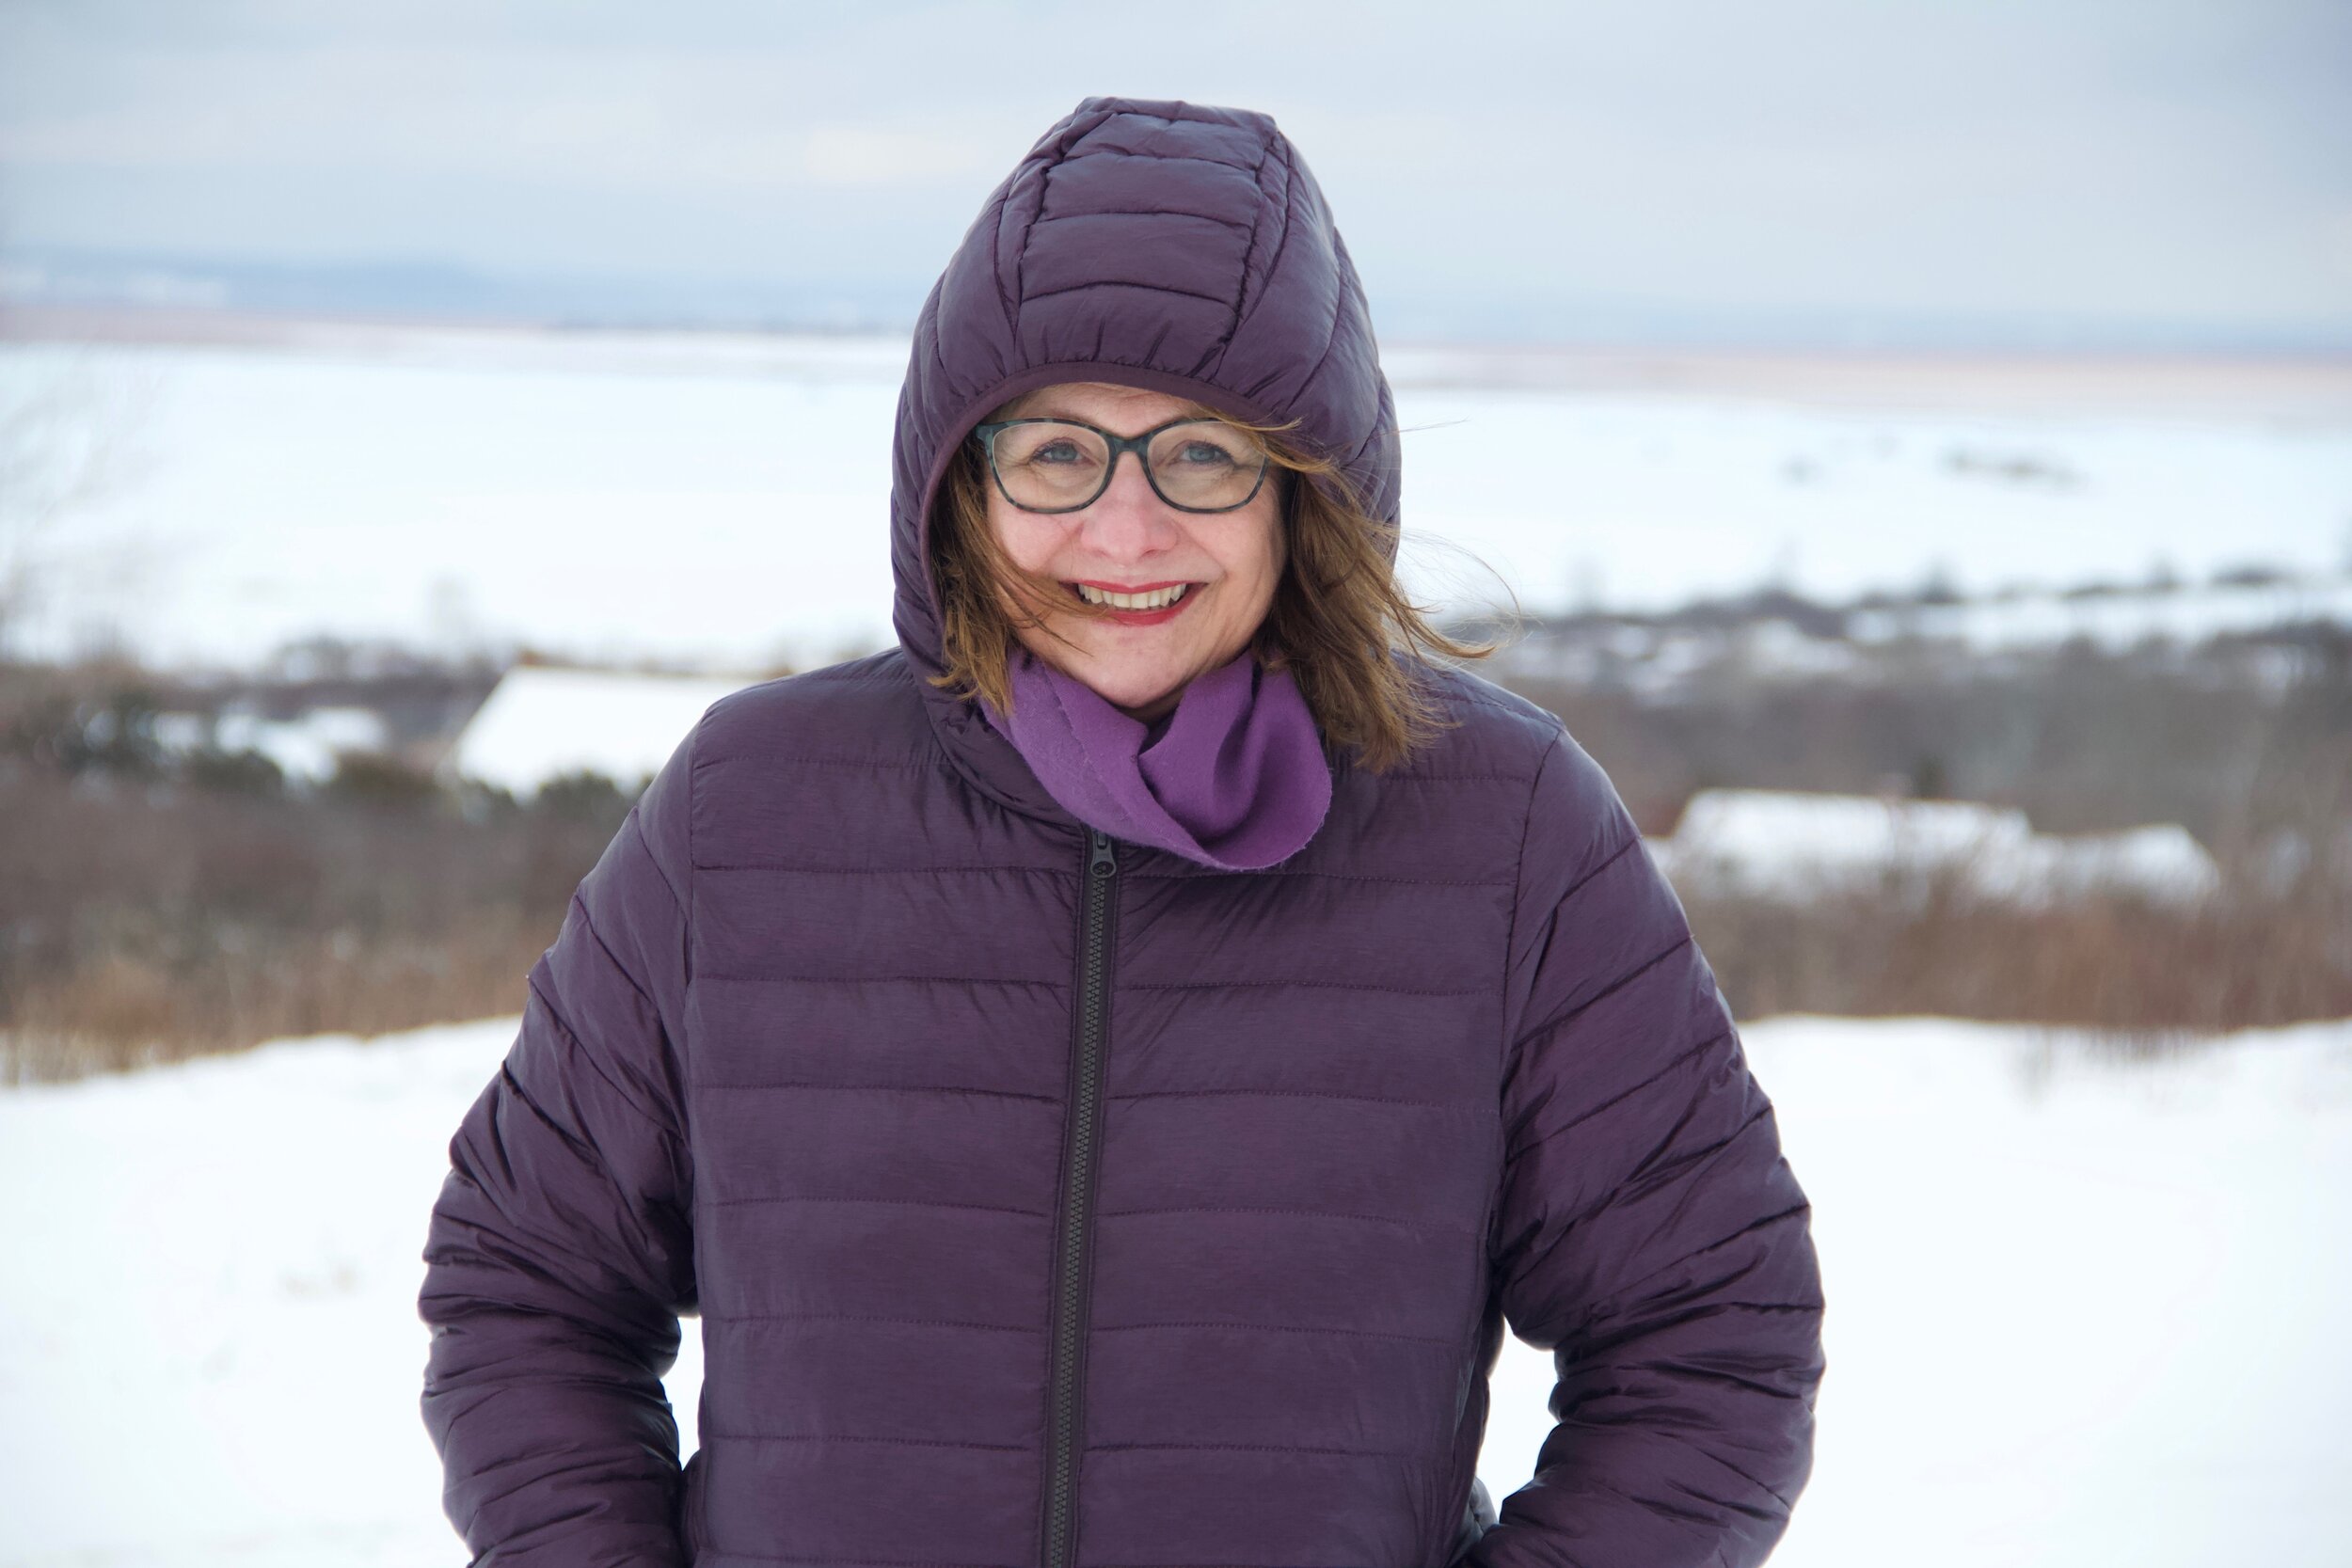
column 1128, row 520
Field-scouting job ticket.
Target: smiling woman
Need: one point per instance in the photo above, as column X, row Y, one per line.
column 1105, row 554
column 1108, row 1070
column 1305, row 573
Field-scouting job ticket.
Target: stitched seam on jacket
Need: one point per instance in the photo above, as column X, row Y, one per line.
column 557, row 1018
column 1117, row 283
column 1339, row 320
column 1612, row 1306
column 1136, row 212
column 1290, row 227
column 1578, row 1121
column 781, row 1198
column 1007, row 301
column 1668, row 1431
column 1462, row 693
column 1271, row 1208
column 1692, row 1443
column 892, row 1088
column 1243, row 304
column 1606, row 862
column 1028, row 233
column 1708, row 1309
column 1276, row 1328
column 588, row 924
column 1654, row 1173
column 850, row 673
column 871, row 763
column 637, row 822
column 682, row 1045
column 879, row 980
column 1153, row 157
column 1605, row 992
column 866, row 1317
column 715, row 1557
column 1506, row 1048
column 1252, row 1448
column 1291, row 985
column 1693, row 1163
column 883, row 870
column 853, row 1437
column 1467, row 778
column 1220, row 879
column 1287, row 1094
column 1227, row 878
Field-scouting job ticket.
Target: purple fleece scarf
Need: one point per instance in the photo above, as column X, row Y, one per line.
column 1236, row 779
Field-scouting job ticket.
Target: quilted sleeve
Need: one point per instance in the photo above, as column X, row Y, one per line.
column 560, row 1255
column 1648, row 1233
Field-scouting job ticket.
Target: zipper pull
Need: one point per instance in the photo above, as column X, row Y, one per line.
column 1100, row 861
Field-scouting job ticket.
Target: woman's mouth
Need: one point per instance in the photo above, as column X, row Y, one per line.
column 1137, row 605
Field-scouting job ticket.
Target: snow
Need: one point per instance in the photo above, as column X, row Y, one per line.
column 1792, row 845
column 2084, row 1309
column 2080, row 1312
column 1834, row 833
column 722, row 500
column 304, row 748
column 2162, row 859
column 1655, row 659
column 2114, row 622
column 540, row 722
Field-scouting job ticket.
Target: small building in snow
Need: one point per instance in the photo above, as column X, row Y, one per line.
column 308, row 746
column 1785, row 844
column 540, row 722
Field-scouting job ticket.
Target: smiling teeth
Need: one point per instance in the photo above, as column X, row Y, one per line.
column 1158, row 599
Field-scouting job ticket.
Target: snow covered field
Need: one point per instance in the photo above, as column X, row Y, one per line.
column 724, row 500
column 2083, row 1312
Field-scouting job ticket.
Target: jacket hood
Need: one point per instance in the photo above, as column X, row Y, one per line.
column 1164, row 245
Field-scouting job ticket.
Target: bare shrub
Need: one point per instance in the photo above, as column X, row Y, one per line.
column 2235, row 739
column 2247, row 742
column 152, row 908
column 117, row 1011
column 2247, row 959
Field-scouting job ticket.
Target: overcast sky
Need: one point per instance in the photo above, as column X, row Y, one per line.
column 2086, row 168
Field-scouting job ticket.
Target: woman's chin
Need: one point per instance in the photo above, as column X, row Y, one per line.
column 1125, row 685
column 1140, row 689
column 1137, row 699
column 1147, row 711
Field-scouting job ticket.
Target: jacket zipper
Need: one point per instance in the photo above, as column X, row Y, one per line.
column 1081, row 1151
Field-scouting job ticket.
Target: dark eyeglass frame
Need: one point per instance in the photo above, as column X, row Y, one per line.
column 1140, row 445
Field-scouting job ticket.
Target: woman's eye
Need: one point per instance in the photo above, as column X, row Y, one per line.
column 1203, row 454
column 1055, row 453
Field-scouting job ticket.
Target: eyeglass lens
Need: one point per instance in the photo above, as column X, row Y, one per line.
column 1049, row 465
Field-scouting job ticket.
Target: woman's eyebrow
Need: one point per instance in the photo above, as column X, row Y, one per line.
column 1049, row 407
column 1039, row 405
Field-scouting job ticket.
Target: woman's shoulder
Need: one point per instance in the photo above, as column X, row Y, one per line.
column 1487, row 730
column 867, row 712
column 1496, row 740
column 1498, row 792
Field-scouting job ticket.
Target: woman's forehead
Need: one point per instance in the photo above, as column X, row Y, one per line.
column 1100, row 402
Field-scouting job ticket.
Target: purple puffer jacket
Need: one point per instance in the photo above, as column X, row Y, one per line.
column 1053, row 1200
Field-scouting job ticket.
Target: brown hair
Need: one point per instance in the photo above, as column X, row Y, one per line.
column 1339, row 622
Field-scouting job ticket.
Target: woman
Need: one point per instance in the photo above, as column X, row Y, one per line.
column 1107, row 1071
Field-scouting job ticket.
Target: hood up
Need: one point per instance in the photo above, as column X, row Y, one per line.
column 1169, row 246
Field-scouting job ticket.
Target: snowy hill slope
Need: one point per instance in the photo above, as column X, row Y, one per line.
column 724, row 500
column 2082, row 1312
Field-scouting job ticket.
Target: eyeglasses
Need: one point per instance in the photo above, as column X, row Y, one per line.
column 1194, row 465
